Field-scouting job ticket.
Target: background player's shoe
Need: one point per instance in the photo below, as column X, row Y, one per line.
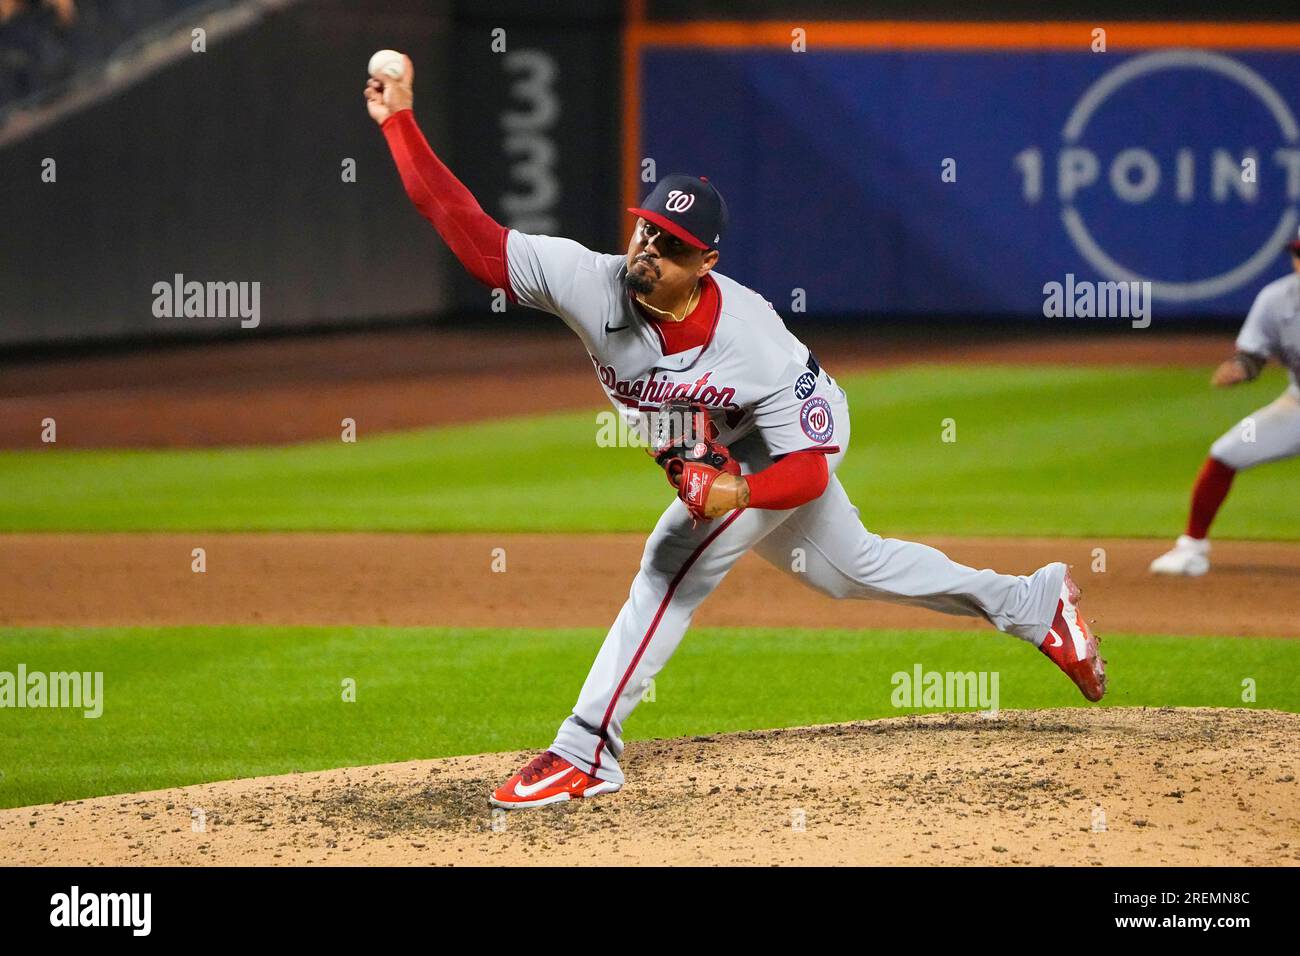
column 1189, row 556
column 548, row 778
column 1073, row 647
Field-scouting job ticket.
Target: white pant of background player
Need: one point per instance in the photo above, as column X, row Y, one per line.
column 682, row 565
column 1271, row 433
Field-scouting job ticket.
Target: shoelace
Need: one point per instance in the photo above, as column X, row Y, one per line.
column 539, row 767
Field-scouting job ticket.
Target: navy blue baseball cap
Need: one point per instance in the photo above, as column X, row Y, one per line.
column 688, row 207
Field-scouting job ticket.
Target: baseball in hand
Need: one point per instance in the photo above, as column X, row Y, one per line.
column 387, row 65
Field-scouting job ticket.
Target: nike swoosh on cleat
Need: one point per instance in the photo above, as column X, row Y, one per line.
column 532, row 788
column 1052, row 632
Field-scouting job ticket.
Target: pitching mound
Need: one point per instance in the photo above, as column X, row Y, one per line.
column 1098, row 786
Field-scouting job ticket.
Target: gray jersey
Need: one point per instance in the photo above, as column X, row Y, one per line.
column 1272, row 329
column 752, row 373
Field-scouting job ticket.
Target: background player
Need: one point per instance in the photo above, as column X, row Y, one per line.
column 1271, row 330
column 659, row 325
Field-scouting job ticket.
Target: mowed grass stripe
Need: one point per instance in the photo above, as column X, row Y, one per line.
column 1038, row 451
column 187, row 705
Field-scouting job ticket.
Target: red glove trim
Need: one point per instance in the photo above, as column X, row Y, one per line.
column 694, row 485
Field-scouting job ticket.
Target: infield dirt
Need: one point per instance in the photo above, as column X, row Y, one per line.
column 447, row 580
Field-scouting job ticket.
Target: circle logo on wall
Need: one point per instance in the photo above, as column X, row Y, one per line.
column 1246, row 143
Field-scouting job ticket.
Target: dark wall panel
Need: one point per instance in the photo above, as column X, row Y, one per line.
column 226, row 166
column 535, row 127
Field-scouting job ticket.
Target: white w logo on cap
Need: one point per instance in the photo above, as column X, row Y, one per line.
column 679, row 201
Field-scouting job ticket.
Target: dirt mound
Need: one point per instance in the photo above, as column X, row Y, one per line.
column 1098, row 786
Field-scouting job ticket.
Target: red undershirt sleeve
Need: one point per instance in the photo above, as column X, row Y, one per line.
column 795, row 480
column 476, row 239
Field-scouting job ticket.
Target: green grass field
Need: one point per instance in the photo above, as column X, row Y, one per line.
column 185, row 705
column 1041, row 451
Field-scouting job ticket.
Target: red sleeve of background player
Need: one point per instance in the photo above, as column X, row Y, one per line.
column 477, row 240
column 795, row 480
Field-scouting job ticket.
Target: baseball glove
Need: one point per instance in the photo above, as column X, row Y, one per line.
column 687, row 449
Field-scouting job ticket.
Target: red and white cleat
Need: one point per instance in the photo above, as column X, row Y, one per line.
column 1073, row 647
column 546, row 779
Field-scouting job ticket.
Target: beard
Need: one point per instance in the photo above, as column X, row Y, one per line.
column 640, row 284
column 643, row 281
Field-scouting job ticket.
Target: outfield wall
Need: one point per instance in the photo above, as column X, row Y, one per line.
column 227, row 166
column 915, row 168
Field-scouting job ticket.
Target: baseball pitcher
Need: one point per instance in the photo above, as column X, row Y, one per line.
column 760, row 429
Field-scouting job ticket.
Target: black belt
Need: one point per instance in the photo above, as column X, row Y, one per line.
column 813, row 367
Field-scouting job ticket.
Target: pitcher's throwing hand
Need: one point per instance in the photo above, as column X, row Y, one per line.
column 385, row 96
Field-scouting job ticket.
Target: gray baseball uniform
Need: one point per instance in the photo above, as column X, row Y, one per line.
column 769, row 397
column 1271, row 330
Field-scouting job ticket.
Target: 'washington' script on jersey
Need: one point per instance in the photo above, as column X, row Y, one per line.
column 655, row 391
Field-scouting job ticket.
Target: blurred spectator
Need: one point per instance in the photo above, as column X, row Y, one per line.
column 65, row 11
column 44, row 42
column 34, row 45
